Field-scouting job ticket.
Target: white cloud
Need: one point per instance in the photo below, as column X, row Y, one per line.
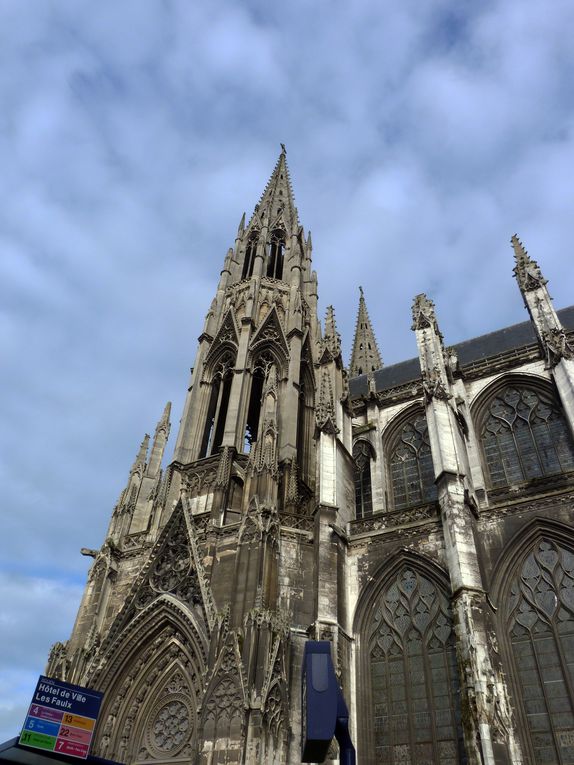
column 35, row 613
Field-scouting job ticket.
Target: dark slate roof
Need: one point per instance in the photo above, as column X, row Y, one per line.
column 468, row 352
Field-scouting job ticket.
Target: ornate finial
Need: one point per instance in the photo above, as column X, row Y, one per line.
column 526, row 270
column 163, row 423
column 283, row 149
column 139, row 464
column 332, row 339
column 325, row 408
column 423, row 313
column 361, row 291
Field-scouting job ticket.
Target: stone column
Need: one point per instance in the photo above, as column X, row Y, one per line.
column 480, row 700
column 558, row 350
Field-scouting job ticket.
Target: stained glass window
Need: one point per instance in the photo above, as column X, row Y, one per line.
column 415, row 711
column 525, row 436
column 540, row 620
column 363, row 492
column 411, row 466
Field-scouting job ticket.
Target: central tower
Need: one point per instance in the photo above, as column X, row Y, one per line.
column 253, row 381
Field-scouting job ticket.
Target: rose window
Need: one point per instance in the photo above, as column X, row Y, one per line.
column 171, row 726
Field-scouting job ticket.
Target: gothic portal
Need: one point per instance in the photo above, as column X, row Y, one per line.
column 418, row 516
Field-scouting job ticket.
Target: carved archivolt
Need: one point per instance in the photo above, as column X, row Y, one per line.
column 150, row 710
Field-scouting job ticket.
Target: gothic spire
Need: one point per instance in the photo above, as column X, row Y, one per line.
column 277, row 200
column 365, row 357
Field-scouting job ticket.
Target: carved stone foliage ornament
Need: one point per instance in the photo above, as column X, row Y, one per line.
column 557, row 346
column 434, row 386
column 423, row 313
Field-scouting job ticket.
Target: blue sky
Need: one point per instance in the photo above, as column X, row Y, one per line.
column 133, row 135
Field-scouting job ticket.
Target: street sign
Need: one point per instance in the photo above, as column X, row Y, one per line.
column 61, row 718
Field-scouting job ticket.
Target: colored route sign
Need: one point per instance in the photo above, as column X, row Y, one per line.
column 61, row 718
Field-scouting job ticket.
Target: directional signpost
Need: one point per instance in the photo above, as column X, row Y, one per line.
column 61, row 718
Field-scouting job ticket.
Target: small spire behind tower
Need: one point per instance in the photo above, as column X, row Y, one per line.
column 365, row 357
column 241, row 227
column 139, row 464
column 159, row 442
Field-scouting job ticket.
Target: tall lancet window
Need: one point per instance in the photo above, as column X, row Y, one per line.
column 414, row 711
column 411, row 465
column 217, row 407
column 260, row 369
column 540, row 625
column 250, row 252
column 524, row 436
column 363, row 491
column 276, row 254
column 306, row 425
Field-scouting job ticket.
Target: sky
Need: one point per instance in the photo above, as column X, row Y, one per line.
column 420, row 136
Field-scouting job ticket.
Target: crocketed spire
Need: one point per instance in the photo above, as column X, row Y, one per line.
column 365, row 356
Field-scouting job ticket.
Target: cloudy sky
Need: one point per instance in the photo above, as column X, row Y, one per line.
column 133, row 135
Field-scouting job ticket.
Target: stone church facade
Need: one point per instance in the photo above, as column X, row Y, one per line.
column 418, row 516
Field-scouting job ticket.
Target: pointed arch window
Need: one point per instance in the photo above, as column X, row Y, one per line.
column 260, row 369
column 414, row 711
column 540, row 626
column 217, row 407
column 276, row 254
column 411, row 465
column 363, row 490
column 250, row 253
column 524, row 435
column 306, row 424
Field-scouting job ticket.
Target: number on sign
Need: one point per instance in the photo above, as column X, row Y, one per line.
column 64, row 731
column 61, row 744
column 68, row 718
